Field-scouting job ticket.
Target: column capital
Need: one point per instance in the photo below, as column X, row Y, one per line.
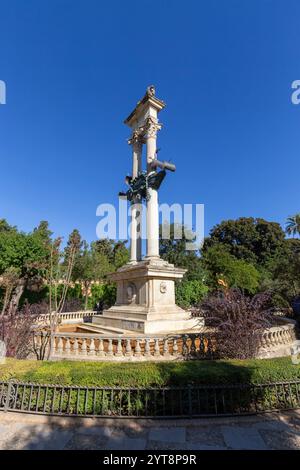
column 151, row 127
column 137, row 136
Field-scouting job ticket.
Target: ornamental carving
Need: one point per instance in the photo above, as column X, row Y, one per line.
column 131, row 293
column 151, row 127
column 137, row 136
column 163, row 287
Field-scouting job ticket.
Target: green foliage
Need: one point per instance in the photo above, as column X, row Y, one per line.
column 148, row 374
column 220, row 264
column 115, row 252
column 173, row 250
column 103, row 294
column 26, row 252
column 253, row 240
column 34, row 297
column 281, row 275
column 293, row 225
column 189, row 293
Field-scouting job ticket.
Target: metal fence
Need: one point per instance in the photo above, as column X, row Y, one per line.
column 190, row 401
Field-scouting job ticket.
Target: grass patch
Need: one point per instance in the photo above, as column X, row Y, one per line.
column 150, row 373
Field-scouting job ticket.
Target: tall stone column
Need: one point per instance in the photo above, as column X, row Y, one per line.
column 152, row 127
column 136, row 207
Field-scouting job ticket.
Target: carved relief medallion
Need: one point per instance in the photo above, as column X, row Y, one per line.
column 163, row 287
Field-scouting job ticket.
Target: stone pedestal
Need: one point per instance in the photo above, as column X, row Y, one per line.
column 146, row 300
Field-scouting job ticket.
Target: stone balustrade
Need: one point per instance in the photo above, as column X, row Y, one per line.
column 130, row 347
column 68, row 317
column 277, row 337
column 134, row 347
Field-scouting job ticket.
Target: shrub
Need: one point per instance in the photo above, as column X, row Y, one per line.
column 147, row 374
column 190, row 293
column 103, row 295
column 16, row 331
column 239, row 321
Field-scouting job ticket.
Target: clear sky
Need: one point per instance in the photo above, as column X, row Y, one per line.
column 74, row 69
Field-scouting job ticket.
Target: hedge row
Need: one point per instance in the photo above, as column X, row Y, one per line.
column 151, row 373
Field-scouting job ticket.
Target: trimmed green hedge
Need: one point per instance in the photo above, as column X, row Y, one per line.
column 150, row 373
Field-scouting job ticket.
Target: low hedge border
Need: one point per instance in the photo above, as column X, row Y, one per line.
column 150, row 374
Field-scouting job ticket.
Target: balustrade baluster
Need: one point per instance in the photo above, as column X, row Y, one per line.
column 75, row 347
column 185, row 349
column 193, row 345
column 201, row 345
column 175, row 347
column 59, row 348
column 137, row 348
column 92, row 347
column 147, row 347
column 119, row 348
column 101, row 348
column 83, row 347
column 110, row 347
column 166, row 347
column 128, row 348
column 67, row 345
column 156, row 347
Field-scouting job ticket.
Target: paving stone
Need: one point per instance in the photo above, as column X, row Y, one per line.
column 271, row 425
column 243, row 438
column 125, row 432
column 95, row 431
column 4, row 428
column 208, row 436
column 281, row 441
column 164, row 434
column 85, row 442
column 198, row 446
column 126, row 444
column 56, row 440
column 281, row 431
column 158, row 445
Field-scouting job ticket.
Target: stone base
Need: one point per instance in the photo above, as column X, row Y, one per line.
column 146, row 300
column 126, row 319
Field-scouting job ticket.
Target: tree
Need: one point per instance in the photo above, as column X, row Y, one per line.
column 115, row 252
column 293, row 225
column 72, row 251
column 281, row 275
column 253, row 240
column 8, row 281
column 173, row 249
column 232, row 272
column 27, row 254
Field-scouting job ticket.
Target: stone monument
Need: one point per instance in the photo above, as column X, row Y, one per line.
column 146, row 286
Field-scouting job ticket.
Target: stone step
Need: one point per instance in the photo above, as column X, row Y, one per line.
column 124, row 323
column 117, row 312
column 104, row 329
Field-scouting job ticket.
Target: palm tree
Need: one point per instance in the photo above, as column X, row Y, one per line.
column 293, row 225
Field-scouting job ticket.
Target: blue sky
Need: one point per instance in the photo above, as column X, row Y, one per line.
column 75, row 69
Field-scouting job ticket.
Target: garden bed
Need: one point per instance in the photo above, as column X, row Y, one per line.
column 150, row 374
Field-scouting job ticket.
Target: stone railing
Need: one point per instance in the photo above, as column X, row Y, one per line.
column 68, row 317
column 127, row 347
column 277, row 338
column 134, row 347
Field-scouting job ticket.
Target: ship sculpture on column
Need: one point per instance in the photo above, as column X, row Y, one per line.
column 146, row 286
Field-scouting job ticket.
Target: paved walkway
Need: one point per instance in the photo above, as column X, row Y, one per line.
column 270, row 431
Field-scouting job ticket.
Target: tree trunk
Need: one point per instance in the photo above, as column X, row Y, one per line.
column 86, row 286
column 6, row 300
column 15, row 298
